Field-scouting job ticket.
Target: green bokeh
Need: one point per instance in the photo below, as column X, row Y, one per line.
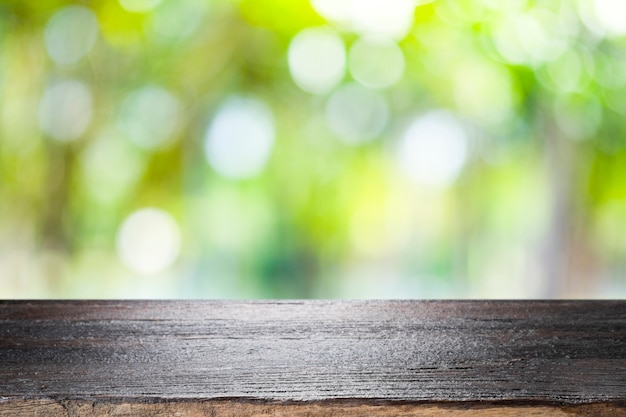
column 536, row 209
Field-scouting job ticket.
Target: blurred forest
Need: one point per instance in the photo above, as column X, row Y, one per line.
column 332, row 148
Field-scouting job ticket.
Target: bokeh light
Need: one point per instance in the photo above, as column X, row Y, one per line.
column 433, row 149
column 376, row 62
column 148, row 241
column 392, row 18
column 567, row 72
column 65, row 110
column 531, row 37
column 355, row 114
column 319, row 148
column 240, row 139
column 176, row 20
column 148, row 117
column 610, row 15
column 317, row 60
column 70, row 34
column 111, row 168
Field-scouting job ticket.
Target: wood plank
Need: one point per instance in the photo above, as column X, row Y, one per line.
column 50, row 408
column 333, row 357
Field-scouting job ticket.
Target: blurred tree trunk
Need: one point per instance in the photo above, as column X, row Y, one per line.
column 559, row 156
column 56, row 239
column 568, row 262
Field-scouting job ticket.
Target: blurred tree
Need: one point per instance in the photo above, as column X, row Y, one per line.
column 299, row 149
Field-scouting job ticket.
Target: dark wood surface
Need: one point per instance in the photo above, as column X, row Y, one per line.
column 374, row 352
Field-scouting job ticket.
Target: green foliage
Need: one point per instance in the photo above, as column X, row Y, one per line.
column 528, row 97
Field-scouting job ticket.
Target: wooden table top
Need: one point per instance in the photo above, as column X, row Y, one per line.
column 393, row 353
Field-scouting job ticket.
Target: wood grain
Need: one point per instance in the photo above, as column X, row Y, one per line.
column 49, row 408
column 396, row 358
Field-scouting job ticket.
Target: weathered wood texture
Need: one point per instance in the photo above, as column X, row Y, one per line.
column 50, row 408
column 387, row 357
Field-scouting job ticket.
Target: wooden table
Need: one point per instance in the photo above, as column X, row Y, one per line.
column 312, row 358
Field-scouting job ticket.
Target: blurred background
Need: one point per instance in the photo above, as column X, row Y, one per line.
column 295, row 149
